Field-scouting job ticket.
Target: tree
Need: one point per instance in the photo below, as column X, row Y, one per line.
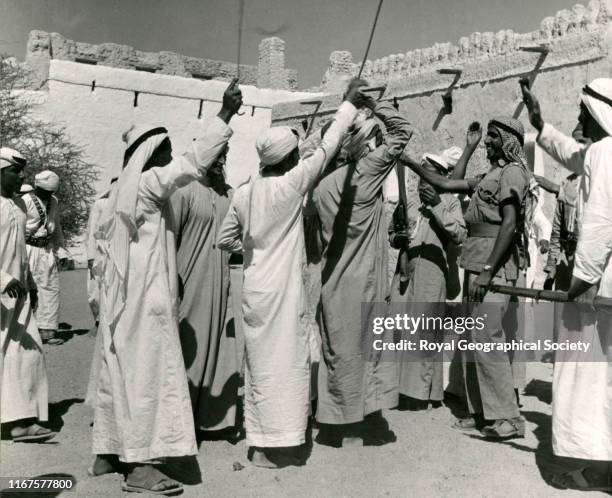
column 45, row 146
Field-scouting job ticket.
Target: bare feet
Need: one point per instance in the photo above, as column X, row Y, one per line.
column 106, row 464
column 145, row 478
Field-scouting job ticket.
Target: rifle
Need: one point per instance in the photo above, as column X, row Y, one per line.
column 544, row 295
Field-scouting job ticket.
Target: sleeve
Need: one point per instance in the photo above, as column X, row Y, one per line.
column 230, row 232
column 158, row 184
column 554, row 250
column 512, row 184
column 562, row 148
column 399, row 133
column 449, row 217
column 92, row 223
column 306, row 173
column 179, row 205
column 595, row 242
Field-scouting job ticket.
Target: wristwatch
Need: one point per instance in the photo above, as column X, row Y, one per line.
column 487, row 267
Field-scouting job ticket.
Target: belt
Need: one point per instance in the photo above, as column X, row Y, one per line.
column 37, row 241
column 485, row 230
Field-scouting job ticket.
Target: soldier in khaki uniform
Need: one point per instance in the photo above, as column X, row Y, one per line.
column 494, row 253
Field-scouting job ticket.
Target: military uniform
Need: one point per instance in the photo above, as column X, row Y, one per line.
column 489, row 376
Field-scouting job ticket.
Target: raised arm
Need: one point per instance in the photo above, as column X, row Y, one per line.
column 562, row 148
column 439, row 181
column 399, row 130
column 304, row 176
column 474, row 134
column 160, row 182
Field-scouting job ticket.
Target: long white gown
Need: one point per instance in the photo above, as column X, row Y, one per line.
column 24, row 377
column 265, row 222
column 582, row 390
column 142, row 409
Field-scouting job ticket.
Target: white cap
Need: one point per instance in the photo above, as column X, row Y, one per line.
column 447, row 159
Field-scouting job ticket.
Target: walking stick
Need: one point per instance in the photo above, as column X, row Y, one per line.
column 240, row 17
column 365, row 56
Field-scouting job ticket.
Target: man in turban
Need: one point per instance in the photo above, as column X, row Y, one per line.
column 45, row 241
column 24, row 377
column 206, row 321
column 264, row 221
column 435, row 223
column 351, row 384
column 498, row 217
column 582, row 386
column 142, row 409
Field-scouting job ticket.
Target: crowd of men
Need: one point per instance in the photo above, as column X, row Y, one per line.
column 173, row 342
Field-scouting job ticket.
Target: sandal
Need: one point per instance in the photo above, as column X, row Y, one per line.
column 505, row 429
column 150, row 482
column 465, row 424
column 39, row 435
column 576, row 480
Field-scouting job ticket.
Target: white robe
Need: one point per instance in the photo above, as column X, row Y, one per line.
column 93, row 296
column 93, row 282
column 142, row 408
column 582, row 391
column 24, row 377
column 43, row 260
column 265, row 222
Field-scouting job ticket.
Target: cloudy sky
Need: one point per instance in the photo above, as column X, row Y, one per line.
column 310, row 28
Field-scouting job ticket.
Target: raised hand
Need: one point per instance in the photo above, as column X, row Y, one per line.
column 532, row 104
column 232, row 101
column 355, row 96
column 474, row 134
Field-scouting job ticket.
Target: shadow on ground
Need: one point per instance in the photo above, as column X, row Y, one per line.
column 66, row 332
column 58, row 410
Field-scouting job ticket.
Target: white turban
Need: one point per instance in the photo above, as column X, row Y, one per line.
column 25, row 188
column 10, row 157
column 447, row 159
column 354, row 144
column 597, row 97
column 47, row 180
column 275, row 144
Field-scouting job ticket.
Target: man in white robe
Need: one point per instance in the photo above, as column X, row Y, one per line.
column 582, row 390
column 142, row 408
column 264, row 221
column 93, row 290
column 23, row 373
column 45, row 243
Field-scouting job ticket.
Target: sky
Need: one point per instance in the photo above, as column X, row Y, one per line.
column 312, row 29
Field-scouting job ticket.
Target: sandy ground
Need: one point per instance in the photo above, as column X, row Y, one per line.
column 428, row 458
